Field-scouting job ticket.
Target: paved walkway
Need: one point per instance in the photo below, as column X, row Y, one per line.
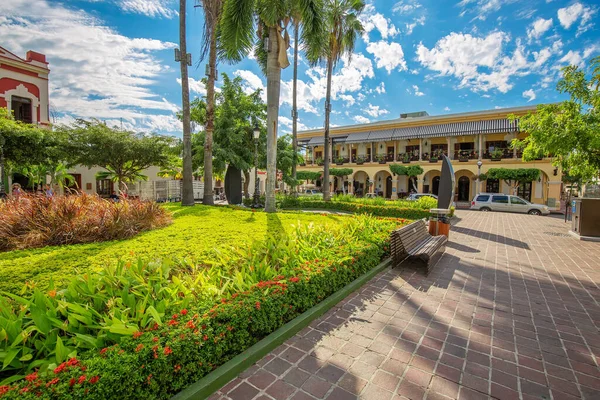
column 511, row 311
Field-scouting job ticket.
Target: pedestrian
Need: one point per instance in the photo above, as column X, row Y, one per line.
column 48, row 191
column 114, row 196
column 16, row 190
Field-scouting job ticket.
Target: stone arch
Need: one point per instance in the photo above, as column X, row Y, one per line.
column 360, row 183
column 428, row 180
column 383, row 183
column 22, row 91
column 465, row 188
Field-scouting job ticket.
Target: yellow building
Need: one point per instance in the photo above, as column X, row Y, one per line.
column 369, row 149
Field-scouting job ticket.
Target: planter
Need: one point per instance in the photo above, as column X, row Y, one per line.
column 360, row 162
column 463, row 159
column 433, row 160
column 382, row 162
column 339, row 163
column 496, row 159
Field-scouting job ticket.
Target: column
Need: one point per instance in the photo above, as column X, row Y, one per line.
column 372, row 153
column 314, row 153
column 450, row 152
column 421, row 153
column 480, row 147
column 515, row 149
column 349, row 152
column 395, row 149
column 420, row 185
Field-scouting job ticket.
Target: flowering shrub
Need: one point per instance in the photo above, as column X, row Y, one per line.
column 267, row 286
column 36, row 221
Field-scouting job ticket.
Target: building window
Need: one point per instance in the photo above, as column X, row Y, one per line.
column 21, row 108
column 492, row 186
column 439, row 148
column 104, row 187
column 524, row 190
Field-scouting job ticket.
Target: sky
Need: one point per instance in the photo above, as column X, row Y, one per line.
column 114, row 59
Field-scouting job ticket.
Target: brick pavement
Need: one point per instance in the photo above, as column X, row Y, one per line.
column 510, row 312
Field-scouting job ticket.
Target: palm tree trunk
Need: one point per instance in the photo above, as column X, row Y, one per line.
column 208, row 198
column 187, row 195
column 273, row 87
column 246, row 183
column 326, row 193
column 295, row 108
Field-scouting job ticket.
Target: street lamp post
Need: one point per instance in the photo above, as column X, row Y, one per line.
column 256, row 202
column 477, row 185
column 2, row 190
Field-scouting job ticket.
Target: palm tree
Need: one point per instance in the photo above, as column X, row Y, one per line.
column 187, row 195
column 238, row 35
column 296, row 22
column 343, row 27
column 60, row 176
column 212, row 16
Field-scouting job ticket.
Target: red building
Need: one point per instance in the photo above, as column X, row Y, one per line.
column 24, row 86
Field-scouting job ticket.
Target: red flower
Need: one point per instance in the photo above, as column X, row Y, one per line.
column 257, row 305
column 72, row 382
column 73, row 361
column 94, row 379
column 149, row 378
column 31, row 377
column 137, row 334
column 139, row 347
column 82, row 379
column 175, row 316
column 60, row 368
column 4, row 389
column 205, row 338
column 172, row 322
column 294, row 279
column 184, row 312
column 177, row 368
column 155, row 339
column 167, row 351
column 190, row 324
column 50, row 383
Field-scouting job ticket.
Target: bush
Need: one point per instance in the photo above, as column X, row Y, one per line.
column 37, row 221
column 280, row 278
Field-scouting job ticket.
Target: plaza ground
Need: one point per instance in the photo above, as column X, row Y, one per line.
column 510, row 312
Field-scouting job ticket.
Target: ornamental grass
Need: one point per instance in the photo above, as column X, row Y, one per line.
column 32, row 221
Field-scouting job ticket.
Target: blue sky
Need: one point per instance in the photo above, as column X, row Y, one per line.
column 113, row 59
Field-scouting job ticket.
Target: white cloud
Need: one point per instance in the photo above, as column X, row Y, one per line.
column 348, row 99
column 417, row 92
column 572, row 58
column 538, row 28
column 529, row 95
column 388, row 55
column 288, row 123
column 446, row 108
column 96, row 71
column 151, row 8
column 406, row 6
column 481, row 8
column 373, row 20
column 416, row 21
column 361, row 120
column 381, row 88
column 252, row 82
column 569, row 15
column 196, row 86
column 375, row 111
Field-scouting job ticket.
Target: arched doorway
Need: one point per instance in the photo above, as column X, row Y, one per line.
column 360, row 182
column 388, row 187
column 464, row 187
column 435, row 185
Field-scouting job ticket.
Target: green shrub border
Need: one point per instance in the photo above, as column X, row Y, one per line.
column 212, row 382
column 375, row 210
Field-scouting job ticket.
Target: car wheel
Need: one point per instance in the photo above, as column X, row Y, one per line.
column 485, row 209
column 534, row 212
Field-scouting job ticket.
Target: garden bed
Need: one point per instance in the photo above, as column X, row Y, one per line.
column 171, row 325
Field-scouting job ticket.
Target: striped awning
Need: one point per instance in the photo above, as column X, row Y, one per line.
column 406, row 133
column 381, row 136
column 320, row 140
column 359, row 137
column 339, row 139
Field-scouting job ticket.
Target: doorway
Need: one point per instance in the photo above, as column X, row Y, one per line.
column 75, row 186
column 492, row 186
column 435, row 185
column 388, row 187
column 464, row 186
column 524, row 191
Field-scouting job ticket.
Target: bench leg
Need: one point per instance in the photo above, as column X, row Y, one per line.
column 435, row 258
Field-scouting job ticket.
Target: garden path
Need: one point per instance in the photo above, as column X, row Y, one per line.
column 511, row 311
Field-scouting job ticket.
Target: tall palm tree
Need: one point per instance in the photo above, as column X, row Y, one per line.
column 296, row 22
column 212, row 15
column 343, row 27
column 238, row 34
column 187, row 192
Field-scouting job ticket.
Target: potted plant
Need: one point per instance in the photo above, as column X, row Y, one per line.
column 406, row 158
column 463, row 155
column 339, row 161
column 497, row 154
column 381, row 158
column 319, row 161
column 360, row 160
column 434, row 156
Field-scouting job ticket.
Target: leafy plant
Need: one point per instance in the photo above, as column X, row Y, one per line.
column 319, row 161
column 361, row 159
column 380, row 157
column 340, row 172
column 497, row 153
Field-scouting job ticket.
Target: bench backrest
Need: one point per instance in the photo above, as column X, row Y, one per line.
column 407, row 238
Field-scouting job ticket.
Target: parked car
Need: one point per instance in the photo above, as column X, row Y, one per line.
column 507, row 203
column 417, row 196
column 311, row 192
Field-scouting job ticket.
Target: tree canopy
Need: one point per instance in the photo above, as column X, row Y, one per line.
column 341, row 171
column 568, row 131
column 515, row 175
column 411, row 170
column 308, row 175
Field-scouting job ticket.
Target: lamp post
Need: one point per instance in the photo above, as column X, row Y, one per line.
column 477, row 186
column 256, row 135
column 2, row 189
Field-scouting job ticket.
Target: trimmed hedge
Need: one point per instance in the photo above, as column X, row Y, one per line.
column 162, row 360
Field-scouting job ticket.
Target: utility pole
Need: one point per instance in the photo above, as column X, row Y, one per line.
column 185, row 60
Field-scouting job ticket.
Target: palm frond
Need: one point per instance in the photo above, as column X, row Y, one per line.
column 236, row 29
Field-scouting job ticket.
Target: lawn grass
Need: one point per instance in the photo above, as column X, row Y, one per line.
column 195, row 233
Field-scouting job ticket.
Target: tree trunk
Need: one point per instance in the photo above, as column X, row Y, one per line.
column 273, row 86
column 187, row 195
column 208, row 198
column 295, row 109
column 326, row 193
column 246, row 183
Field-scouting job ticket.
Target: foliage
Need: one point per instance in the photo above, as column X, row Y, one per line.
column 37, row 221
column 285, row 158
column 516, row 175
column 190, row 225
column 307, row 266
column 123, row 154
column 308, row 175
column 568, row 131
column 497, row 153
column 410, row 171
column 341, row 171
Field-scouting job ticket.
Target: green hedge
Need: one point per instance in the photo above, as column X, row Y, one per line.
column 162, row 360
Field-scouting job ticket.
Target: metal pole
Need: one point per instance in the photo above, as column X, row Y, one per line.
column 2, row 189
column 256, row 202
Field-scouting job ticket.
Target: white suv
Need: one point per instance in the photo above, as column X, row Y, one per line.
column 506, row 203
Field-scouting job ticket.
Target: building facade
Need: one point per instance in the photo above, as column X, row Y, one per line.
column 24, row 86
column 420, row 139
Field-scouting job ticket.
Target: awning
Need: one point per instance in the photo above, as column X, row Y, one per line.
column 316, row 141
column 339, row 139
column 381, row 136
column 406, row 133
column 469, row 128
column 359, row 137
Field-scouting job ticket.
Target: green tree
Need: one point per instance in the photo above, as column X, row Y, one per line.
column 513, row 177
column 342, row 29
column 187, row 188
column 238, row 34
column 287, row 158
column 568, row 131
column 123, row 154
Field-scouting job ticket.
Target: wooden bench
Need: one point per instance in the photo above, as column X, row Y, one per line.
column 413, row 245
